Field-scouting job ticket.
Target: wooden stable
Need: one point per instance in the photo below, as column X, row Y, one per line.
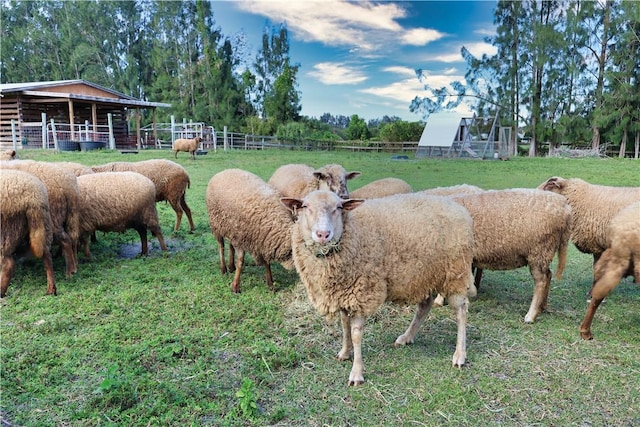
column 31, row 112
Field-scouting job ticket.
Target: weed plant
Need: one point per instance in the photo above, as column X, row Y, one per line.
column 161, row 340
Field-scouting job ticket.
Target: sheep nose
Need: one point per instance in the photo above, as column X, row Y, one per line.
column 323, row 236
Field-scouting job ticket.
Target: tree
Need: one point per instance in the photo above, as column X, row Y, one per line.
column 276, row 84
column 357, row 129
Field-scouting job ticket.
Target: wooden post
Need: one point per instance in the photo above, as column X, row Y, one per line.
column 226, row 140
column 71, row 122
column 112, row 139
column 14, row 134
column 86, row 130
column 173, row 127
column 55, row 135
column 138, row 131
column 94, row 116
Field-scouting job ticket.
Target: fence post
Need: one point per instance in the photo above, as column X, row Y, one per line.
column 215, row 141
column 226, row 141
column 45, row 137
column 173, row 127
column 14, row 136
column 55, row 136
column 86, row 130
column 112, row 139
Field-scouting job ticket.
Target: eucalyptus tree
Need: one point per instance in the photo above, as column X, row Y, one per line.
column 276, row 77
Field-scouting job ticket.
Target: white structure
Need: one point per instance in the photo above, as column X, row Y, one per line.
column 452, row 134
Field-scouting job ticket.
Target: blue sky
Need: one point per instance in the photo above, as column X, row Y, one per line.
column 360, row 57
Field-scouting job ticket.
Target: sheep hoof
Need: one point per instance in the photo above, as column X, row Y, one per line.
column 403, row 340
column 356, row 383
column 586, row 335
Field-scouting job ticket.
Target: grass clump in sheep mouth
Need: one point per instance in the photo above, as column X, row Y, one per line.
column 321, row 250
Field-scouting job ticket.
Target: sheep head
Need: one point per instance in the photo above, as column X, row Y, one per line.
column 334, row 178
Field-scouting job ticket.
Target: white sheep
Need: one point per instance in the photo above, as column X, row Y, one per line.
column 593, row 207
column 62, row 189
column 118, row 201
column 297, row 180
column 381, row 188
column 8, row 155
column 520, row 227
column 621, row 258
column 170, row 178
column 353, row 255
column 246, row 211
column 76, row 168
column 24, row 220
column 453, row 190
column 189, row 145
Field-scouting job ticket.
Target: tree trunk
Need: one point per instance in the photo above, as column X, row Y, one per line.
column 602, row 59
column 623, row 145
column 637, row 150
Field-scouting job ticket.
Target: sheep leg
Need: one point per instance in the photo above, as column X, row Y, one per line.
column 71, row 263
column 178, row 210
column 439, row 301
column 356, row 377
column 585, row 326
column 460, row 304
column 187, row 211
column 347, row 345
column 8, row 268
column 608, row 271
column 232, row 257
column 223, row 265
column 422, row 310
column 157, row 232
column 269, row 277
column 477, row 278
column 48, row 268
column 142, row 231
column 235, row 285
column 542, row 281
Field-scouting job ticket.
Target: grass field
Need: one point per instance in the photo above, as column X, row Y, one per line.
column 162, row 340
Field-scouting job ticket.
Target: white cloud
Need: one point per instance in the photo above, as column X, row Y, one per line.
column 421, row 36
column 403, row 71
column 360, row 25
column 480, row 48
column 334, row 73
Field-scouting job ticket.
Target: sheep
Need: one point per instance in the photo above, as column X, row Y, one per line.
column 246, row 211
column 520, row 227
column 453, row 190
column 25, row 220
column 8, row 155
column 76, row 168
column 187, row 145
column 170, row 178
column 621, row 258
column 297, row 180
column 117, row 201
column 593, row 207
column 62, row 189
column 353, row 255
column 381, row 188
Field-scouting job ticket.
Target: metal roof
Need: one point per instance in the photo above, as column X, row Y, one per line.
column 40, row 89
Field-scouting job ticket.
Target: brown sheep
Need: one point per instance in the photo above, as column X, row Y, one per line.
column 246, row 211
column 297, row 180
column 593, row 207
column 187, row 145
column 76, row 168
column 621, row 258
column 62, row 188
column 170, row 178
column 381, row 188
column 353, row 255
column 118, row 201
column 25, row 221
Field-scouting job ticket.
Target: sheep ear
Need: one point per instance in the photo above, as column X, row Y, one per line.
column 554, row 182
column 351, row 204
column 292, row 204
column 353, row 174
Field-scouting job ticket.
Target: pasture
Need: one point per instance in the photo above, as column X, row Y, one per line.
column 161, row 340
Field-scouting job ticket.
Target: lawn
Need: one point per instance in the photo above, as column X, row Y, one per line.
column 161, row 340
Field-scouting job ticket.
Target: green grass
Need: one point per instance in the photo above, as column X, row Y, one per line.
column 162, row 340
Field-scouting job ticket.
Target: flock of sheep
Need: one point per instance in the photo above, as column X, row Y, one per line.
column 353, row 251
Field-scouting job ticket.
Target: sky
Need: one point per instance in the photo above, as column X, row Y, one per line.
column 360, row 57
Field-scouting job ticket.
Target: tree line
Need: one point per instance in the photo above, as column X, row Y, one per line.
column 565, row 71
